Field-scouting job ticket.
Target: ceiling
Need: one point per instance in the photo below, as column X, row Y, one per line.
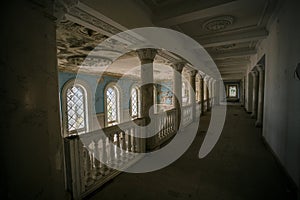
column 229, row 30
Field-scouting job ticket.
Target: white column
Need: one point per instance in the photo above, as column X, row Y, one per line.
column 209, row 93
column 213, row 91
column 217, row 92
column 206, row 91
column 201, row 82
column 249, row 92
column 260, row 106
column 177, row 90
column 241, row 91
column 254, row 93
column 192, row 79
column 146, row 57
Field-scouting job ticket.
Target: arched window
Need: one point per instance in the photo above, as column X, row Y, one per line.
column 112, row 105
column 75, row 107
column 134, row 102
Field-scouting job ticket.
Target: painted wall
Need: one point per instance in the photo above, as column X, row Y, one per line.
column 164, row 93
column 281, row 127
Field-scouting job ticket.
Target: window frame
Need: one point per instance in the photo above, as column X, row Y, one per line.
column 138, row 99
column 236, row 90
column 87, row 101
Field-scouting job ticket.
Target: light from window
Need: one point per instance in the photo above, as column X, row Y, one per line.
column 134, row 103
column 111, row 105
column 232, row 91
column 76, row 109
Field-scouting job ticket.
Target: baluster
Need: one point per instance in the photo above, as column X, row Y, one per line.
column 134, row 149
column 87, row 167
column 103, row 156
column 118, row 150
column 97, row 165
column 129, row 146
column 124, row 145
column 82, row 164
column 159, row 126
column 168, row 124
column 164, row 125
column 112, row 149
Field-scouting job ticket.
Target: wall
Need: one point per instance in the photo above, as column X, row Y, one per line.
column 281, row 127
column 31, row 142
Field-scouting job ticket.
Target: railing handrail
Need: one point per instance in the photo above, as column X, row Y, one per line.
column 107, row 130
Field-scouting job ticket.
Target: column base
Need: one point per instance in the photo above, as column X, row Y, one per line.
column 253, row 116
column 258, row 124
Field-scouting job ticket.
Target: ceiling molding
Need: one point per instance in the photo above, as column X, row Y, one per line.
column 199, row 14
column 231, row 37
column 235, row 54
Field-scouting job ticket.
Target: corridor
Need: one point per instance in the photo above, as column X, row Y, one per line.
column 239, row 167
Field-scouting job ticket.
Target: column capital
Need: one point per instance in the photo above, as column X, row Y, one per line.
column 192, row 72
column 62, row 7
column 206, row 77
column 260, row 68
column 254, row 73
column 179, row 66
column 201, row 75
column 147, row 54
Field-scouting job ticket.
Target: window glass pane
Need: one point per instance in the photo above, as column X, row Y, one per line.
column 232, row 91
column 111, row 104
column 76, row 109
column 134, row 103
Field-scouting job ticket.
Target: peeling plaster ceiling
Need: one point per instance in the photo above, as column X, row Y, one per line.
column 228, row 29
